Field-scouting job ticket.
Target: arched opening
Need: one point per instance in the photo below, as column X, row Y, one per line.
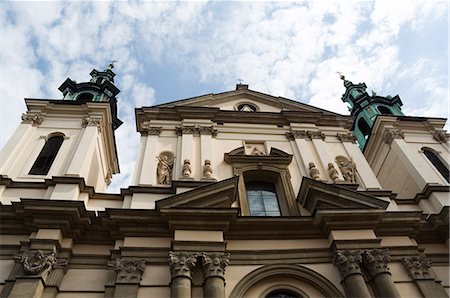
column 283, row 294
column 437, row 162
column 384, row 110
column 85, row 97
column 364, row 127
column 47, row 155
column 262, row 198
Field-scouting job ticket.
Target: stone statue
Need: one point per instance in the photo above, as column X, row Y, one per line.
column 164, row 171
column 333, row 172
column 257, row 152
column 313, row 171
column 207, row 170
column 186, row 168
column 348, row 171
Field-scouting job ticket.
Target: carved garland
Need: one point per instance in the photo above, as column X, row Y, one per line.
column 36, row 262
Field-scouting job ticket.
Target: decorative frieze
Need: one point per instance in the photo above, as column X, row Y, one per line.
column 37, row 262
column 348, row 262
column 181, row 263
column 128, row 270
column 151, row 130
column 313, row 134
column 418, row 267
column 346, row 137
column 214, row 264
column 94, row 121
column 297, row 134
column 376, row 261
column 391, row 134
column 33, row 119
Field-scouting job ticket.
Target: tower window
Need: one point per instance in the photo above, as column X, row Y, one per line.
column 364, row 127
column 85, row 97
column 434, row 158
column 384, row 110
column 262, row 199
column 47, row 155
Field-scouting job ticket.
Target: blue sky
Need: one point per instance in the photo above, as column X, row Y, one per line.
column 174, row 50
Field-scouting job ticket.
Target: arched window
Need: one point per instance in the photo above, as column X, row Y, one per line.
column 282, row 294
column 85, row 97
column 435, row 159
column 47, row 155
column 363, row 127
column 384, row 110
column 262, row 199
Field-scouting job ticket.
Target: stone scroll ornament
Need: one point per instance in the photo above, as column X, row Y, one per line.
column 128, row 270
column 181, row 263
column 37, row 262
column 214, row 263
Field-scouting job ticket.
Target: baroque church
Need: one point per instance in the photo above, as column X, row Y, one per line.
column 235, row 194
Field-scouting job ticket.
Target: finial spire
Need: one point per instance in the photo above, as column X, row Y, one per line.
column 111, row 64
column 341, row 75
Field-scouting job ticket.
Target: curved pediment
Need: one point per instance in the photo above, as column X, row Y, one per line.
column 275, row 155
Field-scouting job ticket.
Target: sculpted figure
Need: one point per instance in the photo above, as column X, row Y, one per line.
column 164, row 170
column 313, row 171
column 207, row 170
column 257, row 152
column 186, row 168
column 348, row 171
column 333, row 172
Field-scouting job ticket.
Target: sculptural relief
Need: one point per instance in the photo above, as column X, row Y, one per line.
column 313, row 171
column 333, row 172
column 186, row 169
column 348, row 169
column 207, row 170
column 164, row 170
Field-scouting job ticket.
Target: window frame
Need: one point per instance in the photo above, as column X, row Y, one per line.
column 33, row 170
column 439, row 159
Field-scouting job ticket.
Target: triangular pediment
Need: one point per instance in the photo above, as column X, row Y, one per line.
column 215, row 195
column 316, row 195
column 245, row 100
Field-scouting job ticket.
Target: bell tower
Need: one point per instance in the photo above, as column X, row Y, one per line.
column 367, row 107
column 72, row 137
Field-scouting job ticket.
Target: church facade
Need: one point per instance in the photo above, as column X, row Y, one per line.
column 236, row 194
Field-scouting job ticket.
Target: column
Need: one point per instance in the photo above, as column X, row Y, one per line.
column 419, row 269
column 79, row 164
column 187, row 145
column 181, row 265
column 206, row 142
column 128, row 276
column 362, row 166
column 304, row 154
column 348, row 263
column 213, row 265
column 375, row 263
column 149, row 163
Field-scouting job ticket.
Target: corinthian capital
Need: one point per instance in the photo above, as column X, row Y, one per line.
column 346, row 137
column 214, row 263
column 316, row 134
column 151, row 130
column 181, row 263
column 297, row 134
column 391, row 134
column 207, row 130
column 441, row 136
column 33, row 119
column 128, row 270
column 418, row 267
column 376, row 261
column 94, row 121
column 348, row 262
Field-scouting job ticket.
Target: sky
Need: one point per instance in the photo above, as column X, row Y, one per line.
column 173, row 50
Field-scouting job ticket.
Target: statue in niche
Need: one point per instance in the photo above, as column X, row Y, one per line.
column 186, row 169
column 257, row 152
column 313, row 171
column 333, row 172
column 164, row 170
column 348, row 170
column 207, row 170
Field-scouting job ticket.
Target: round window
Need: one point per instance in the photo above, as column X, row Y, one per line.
column 246, row 107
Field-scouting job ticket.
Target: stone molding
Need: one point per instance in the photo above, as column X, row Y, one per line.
column 151, row 130
column 376, row 261
column 297, row 134
column 418, row 267
column 348, row 262
column 346, row 137
column 128, row 270
column 312, row 134
column 214, row 264
column 182, row 263
column 196, row 129
column 93, row 121
column 33, row 119
column 37, row 262
column 391, row 134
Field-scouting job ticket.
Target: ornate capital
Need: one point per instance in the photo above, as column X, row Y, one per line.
column 33, row 119
column 180, row 130
column 348, row 262
column 376, row 261
column 181, row 263
column 207, row 130
column 441, row 136
column 108, row 177
column 418, row 267
column 94, row 121
column 315, row 134
column 214, row 264
column 346, row 137
column 391, row 134
column 37, row 262
column 297, row 134
column 153, row 131
column 128, row 270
